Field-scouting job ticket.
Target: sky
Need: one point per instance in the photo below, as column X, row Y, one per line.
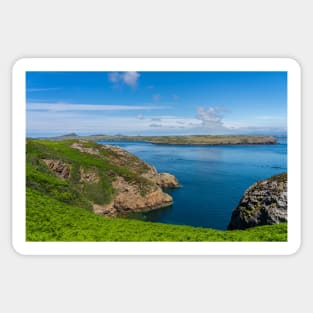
column 156, row 103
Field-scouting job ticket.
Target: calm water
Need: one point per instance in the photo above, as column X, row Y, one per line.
column 213, row 178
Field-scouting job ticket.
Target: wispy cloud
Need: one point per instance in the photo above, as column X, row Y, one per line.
column 268, row 117
column 128, row 78
column 155, row 125
column 114, row 77
column 89, row 107
column 140, row 117
column 41, row 89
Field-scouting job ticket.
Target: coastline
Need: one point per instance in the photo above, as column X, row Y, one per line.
column 192, row 140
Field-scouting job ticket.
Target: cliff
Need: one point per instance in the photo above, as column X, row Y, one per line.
column 264, row 203
column 105, row 179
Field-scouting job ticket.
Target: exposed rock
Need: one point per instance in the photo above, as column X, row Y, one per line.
column 122, row 157
column 104, row 209
column 61, row 169
column 89, row 176
column 80, row 147
column 142, row 194
column 163, row 180
column 131, row 198
column 264, row 203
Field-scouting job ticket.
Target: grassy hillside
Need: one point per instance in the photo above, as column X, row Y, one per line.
column 59, row 202
column 73, row 190
column 48, row 219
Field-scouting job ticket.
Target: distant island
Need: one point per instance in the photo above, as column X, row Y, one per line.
column 177, row 140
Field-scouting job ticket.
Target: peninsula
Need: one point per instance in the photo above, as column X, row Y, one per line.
column 178, row 140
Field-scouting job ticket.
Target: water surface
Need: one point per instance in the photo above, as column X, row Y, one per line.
column 213, row 178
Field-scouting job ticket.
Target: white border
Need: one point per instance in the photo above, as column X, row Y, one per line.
column 156, row 64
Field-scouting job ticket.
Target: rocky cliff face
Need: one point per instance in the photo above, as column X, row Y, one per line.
column 264, row 203
column 137, row 185
column 59, row 168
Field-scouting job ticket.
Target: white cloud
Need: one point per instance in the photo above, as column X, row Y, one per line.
column 89, row 107
column 211, row 118
column 64, row 120
column 79, row 122
column 128, row 78
column 114, row 77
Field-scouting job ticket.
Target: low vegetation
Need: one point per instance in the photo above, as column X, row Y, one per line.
column 48, row 219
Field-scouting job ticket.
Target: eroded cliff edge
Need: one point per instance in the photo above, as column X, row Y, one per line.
column 264, row 203
column 107, row 179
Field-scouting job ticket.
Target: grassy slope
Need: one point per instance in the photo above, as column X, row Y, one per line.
column 48, row 219
column 72, row 190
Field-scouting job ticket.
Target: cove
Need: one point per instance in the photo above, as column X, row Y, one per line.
column 213, row 178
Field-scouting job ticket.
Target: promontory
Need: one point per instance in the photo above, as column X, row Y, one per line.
column 264, row 203
column 105, row 179
column 178, row 140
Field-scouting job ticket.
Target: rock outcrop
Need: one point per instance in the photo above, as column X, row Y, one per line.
column 60, row 169
column 143, row 193
column 264, row 203
column 80, row 146
column 134, row 197
column 164, row 180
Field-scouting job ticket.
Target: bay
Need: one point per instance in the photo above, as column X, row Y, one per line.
column 213, row 178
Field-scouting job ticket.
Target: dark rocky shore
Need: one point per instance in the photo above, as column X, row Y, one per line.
column 264, row 203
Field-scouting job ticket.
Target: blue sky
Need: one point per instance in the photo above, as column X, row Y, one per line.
column 156, row 103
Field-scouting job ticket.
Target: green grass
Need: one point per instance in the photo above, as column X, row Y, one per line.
column 48, row 219
column 72, row 190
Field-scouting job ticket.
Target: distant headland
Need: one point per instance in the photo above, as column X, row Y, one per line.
column 177, row 140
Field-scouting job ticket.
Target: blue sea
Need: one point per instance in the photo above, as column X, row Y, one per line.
column 213, row 178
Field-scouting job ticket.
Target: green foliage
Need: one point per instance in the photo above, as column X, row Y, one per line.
column 50, row 220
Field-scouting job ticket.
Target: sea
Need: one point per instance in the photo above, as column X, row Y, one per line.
column 213, row 178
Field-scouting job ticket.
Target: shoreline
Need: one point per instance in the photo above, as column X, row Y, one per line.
column 192, row 140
